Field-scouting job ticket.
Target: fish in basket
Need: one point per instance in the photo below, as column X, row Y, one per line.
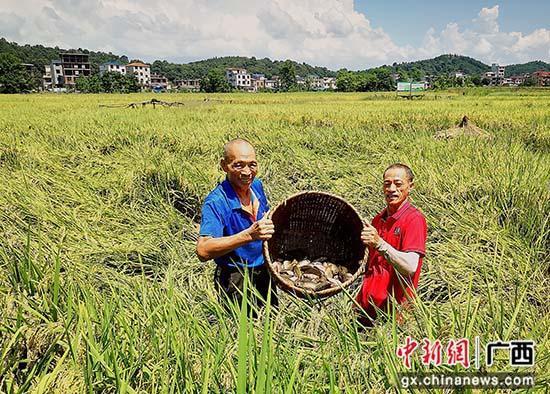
column 316, row 249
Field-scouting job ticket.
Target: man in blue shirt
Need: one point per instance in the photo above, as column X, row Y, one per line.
column 234, row 225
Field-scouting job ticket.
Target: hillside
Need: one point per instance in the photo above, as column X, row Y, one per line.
column 444, row 64
column 265, row 66
column 40, row 55
column 519, row 69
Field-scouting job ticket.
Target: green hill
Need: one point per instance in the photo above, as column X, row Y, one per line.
column 444, row 64
column 266, row 66
column 519, row 69
column 40, row 55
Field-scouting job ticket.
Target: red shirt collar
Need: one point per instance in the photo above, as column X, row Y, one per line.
column 406, row 205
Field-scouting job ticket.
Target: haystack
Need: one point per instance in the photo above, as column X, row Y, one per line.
column 464, row 128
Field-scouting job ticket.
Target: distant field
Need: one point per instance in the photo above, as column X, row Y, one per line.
column 100, row 290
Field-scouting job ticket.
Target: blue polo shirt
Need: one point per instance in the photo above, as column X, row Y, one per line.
column 222, row 215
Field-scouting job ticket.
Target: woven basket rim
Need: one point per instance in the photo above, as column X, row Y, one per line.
column 289, row 286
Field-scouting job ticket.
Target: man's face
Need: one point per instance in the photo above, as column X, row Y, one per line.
column 397, row 187
column 241, row 165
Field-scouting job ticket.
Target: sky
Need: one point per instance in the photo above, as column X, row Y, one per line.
column 332, row 33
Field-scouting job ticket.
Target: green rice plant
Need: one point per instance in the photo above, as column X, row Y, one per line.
column 101, row 291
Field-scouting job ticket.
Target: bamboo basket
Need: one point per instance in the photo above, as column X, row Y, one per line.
column 310, row 225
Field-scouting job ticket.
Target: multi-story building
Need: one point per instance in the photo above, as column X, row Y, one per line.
column 258, row 81
column 272, row 83
column 112, row 66
column 193, row 85
column 159, row 82
column 492, row 77
column 142, row 72
column 498, row 70
column 497, row 74
column 313, row 82
column 239, row 78
column 47, row 78
column 56, row 74
column 329, row 83
column 74, row 65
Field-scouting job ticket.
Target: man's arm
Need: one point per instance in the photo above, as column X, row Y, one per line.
column 405, row 262
column 212, row 247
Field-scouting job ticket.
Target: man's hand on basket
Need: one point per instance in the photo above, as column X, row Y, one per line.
column 370, row 236
column 263, row 229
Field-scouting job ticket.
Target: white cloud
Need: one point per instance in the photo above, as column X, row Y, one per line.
column 485, row 41
column 321, row 32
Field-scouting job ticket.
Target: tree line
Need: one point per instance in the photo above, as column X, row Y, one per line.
column 15, row 77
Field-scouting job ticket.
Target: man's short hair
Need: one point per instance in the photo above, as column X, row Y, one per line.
column 229, row 144
column 407, row 169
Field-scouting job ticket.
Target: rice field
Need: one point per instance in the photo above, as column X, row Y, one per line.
column 101, row 291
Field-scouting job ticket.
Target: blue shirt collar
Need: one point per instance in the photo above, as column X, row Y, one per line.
column 232, row 197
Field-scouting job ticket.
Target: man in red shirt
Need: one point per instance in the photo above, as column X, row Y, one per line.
column 396, row 241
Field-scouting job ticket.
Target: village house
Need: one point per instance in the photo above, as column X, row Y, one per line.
column 273, row 83
column 142, row 72
column 542, row 77
column 74, row 65
column 329, row 83
column 61, row 75
column 193, row 85
column 458, row 75
column 112, row 66
column 239, row 78
column 159, row 82
column 47, row 77
column 496, row 75
column 56, row 70
column 258, row 81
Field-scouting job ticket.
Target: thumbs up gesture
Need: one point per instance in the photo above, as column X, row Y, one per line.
column 263, row 229
column 370, row 236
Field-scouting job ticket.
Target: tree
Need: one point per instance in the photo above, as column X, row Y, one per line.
column 90, row 84
column 385, row 80
column 530, row 81
column 109, row 82
column 476, row 80
column 215, row 82
column 287, row 76
column 415, row 74
column 130, row 84
column 14, row 78
column 346, row 81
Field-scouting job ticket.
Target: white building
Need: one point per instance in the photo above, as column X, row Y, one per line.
column 47, row 78
column 272, row 83
column 317, row 83
column 329, row 83
column 498, row 70
column 458, row 75
column 239, row 78
column 112, row 67
column 56, row 72
column 142, row 72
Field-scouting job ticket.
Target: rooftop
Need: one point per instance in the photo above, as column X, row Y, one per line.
column 137, row 64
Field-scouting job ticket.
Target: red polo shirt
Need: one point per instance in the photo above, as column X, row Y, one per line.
column 406, row 231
